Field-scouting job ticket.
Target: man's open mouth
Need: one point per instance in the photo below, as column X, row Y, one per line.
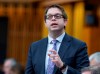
column 53, row 24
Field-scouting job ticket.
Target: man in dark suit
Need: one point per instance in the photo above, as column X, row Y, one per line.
column 59, row 53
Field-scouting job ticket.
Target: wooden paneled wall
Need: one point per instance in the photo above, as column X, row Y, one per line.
column 23, row 29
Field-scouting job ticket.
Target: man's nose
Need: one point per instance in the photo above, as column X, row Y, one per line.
column 53, row 18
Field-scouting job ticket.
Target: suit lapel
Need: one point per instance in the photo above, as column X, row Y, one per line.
column 64, row 46
column 43, row 55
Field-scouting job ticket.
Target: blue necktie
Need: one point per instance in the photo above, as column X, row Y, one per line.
column 50, row 66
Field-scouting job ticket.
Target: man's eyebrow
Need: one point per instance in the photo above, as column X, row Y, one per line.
column 54, row 14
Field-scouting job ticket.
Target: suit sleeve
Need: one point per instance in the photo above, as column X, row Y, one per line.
column 81, row 60
column 29, row 67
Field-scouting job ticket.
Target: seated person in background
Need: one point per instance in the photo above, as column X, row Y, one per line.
column 86, row 70
column 11, row 66
column 95, row 59
column 91, row 70
column 1, row 72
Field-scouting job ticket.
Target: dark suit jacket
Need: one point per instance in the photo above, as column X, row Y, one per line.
column 72, row 52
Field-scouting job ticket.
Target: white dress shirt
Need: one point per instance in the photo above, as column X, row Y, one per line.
column 50, row 46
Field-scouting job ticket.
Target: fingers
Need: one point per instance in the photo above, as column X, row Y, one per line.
column 53, row 51
column 53, row 55
column 55, row 58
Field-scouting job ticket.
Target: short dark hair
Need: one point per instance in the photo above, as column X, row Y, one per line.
column 56, row 6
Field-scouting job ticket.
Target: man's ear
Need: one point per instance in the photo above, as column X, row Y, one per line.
column 45, row 23
column 65, row 20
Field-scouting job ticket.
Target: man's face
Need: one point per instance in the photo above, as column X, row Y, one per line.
column 7, row 67
column 55, row 20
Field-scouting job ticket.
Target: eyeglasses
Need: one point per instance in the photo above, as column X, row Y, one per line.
column 56, row 16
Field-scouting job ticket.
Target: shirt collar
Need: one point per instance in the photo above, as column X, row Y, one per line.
column 60, row 38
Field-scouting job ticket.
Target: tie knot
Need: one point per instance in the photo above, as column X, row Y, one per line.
column 54, row 41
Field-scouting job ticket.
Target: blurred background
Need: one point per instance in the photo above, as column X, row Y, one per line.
column 22, row 22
